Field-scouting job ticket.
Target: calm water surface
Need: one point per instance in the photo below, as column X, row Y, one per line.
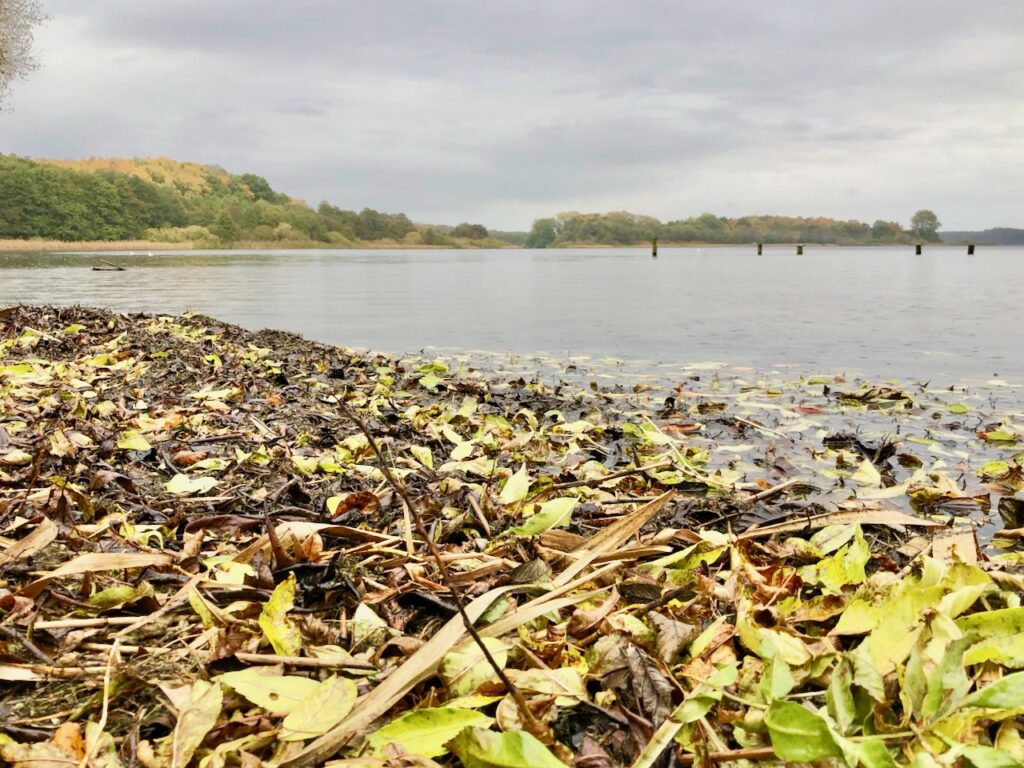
column 878, row 311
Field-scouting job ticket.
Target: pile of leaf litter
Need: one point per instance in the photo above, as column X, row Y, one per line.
column 214, row 551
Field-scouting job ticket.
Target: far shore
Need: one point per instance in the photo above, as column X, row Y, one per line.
column 11, row 245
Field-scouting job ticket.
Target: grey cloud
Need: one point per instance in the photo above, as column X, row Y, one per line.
column 505, row 110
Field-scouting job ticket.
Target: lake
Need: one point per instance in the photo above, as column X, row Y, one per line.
column 878, row 311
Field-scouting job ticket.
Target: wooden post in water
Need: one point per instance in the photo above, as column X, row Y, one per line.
column 970, row 249
column 760, row 246
column 917, row 249
column 654, row 247
column 800, row 249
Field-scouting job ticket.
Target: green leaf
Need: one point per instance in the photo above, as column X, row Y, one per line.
column 873, row 753
column 839, row 697
column 131, row 440
column 516, row 487
column 316, row 715
column 278, row 694
column 995, row 468
column 552, row 514
column 987, row 757
column 1007, row 651
column 280, row 631
column 465, row 669
column 426, row 731
column 957, row 408
column 998, row 623
column 799, row 735
column 477, row 748
column 1004, row 693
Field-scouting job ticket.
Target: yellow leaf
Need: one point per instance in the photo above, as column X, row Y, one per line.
column 277, row 627
column 131, row 440
column 278, row 694
column 316, row 715
column 184, row 485
column 516, row 487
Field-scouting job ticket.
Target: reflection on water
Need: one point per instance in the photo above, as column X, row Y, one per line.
column 882, row 311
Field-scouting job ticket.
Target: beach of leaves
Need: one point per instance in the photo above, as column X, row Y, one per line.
column 205, row 560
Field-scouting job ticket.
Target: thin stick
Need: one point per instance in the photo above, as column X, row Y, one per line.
column 606, row 478
column 480, row 516
column 524, row 711
column 774, row 490
column 302, row 661
column 84, row 623
column 91, row 749
column 761, row 427
column 28, row 644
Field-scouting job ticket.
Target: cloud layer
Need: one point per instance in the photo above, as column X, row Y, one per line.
column 503, row 111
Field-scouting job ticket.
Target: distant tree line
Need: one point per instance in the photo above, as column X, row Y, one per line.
column 623, row 228
column 164, row 200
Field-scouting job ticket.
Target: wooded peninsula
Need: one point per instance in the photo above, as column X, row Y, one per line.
column 154, row 202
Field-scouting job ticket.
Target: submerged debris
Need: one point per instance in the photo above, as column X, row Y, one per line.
column 205, row 560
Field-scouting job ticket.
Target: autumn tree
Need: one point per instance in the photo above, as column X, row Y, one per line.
column 925, row 224
column 18, row 19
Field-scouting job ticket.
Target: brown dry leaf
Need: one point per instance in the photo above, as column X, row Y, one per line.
column 188, row 458
column 959, row 546
column 585, row 620
column 44, row 533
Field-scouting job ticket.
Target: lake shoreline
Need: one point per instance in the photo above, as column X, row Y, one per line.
column 10, row 245
column 217, row 505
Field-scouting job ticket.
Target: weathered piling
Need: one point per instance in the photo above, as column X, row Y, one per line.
column 654, row 247
column 970, row 249
column 760, row 248
column 917, row 249
column 800, row 249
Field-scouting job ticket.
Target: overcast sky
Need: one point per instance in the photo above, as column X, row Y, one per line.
column 501, row 111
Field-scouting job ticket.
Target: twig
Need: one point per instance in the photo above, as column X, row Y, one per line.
column 480, row 516
column 302, row 661
column 85, row 623
column 91, row 748
column 524, row 710
column 613, row 476
column 761, row 427
column 28, row 644
column 774, row 490
column 747, row 753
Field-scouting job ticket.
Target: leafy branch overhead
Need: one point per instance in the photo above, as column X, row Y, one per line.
column 220, row 548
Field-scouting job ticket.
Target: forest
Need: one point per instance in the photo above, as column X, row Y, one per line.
column 624, row 228
column 164, row 200
column 167, row 201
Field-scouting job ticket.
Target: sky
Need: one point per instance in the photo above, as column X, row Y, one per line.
column 503, row 111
